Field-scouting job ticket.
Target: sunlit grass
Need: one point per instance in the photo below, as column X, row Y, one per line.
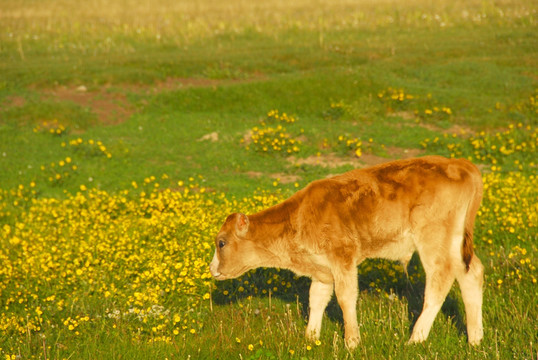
column 73, row 32
column 180, row 21
column 106, row 230
column 136, row 262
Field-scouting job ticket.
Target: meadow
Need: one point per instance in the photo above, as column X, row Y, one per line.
column 130, row 129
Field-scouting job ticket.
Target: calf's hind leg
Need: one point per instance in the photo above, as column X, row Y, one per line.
column 346, row 288
column 471, row 291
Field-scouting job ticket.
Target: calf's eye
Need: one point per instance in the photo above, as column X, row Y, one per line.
column 222, row 243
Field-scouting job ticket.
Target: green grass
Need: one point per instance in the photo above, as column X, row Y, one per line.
column 159, row 78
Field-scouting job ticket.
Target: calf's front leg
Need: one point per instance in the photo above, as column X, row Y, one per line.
column 320, row 295
column 346, row 288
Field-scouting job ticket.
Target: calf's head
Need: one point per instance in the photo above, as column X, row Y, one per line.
column 235, row 253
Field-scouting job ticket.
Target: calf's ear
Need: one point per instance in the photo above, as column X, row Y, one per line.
column 241, row 225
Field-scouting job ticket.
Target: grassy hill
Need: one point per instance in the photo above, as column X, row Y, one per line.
column 130, row 129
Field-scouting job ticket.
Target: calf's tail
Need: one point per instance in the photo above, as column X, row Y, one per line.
column 467, row 249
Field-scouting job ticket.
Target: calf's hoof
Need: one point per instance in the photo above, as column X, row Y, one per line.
column 415, row 340
column 475, row 338
column 352, row 342
column 312, row 335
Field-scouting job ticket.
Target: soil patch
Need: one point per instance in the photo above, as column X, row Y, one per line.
column 330, row 161
column 110, row 108
column 14, row 101
column 406, row 115
column 171, row 84
column 282, row 178
column 254, row 174
column 113, row 108
column 285, row 178
column 185, row 83
column 454, row 129
column 212, row 137
column 410, row 115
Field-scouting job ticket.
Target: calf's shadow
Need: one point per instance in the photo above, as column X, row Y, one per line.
column 291, row 288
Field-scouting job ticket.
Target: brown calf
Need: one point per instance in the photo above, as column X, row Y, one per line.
column 387, row 211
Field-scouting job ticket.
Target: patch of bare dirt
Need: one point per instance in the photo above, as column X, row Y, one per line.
column 406, row 115
column 14, row 101
column 110, row 108
column 113, row 107
column 285, row 178
column 330, row 161
column 247, row 137
column 182, row 83
column 254, row 174
column 282, row 178
column 460, row 130
column 454, row 129
column 172, row 84
column 410, row 115
column 212, row 137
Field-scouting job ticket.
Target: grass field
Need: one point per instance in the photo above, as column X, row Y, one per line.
column 130, row 129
